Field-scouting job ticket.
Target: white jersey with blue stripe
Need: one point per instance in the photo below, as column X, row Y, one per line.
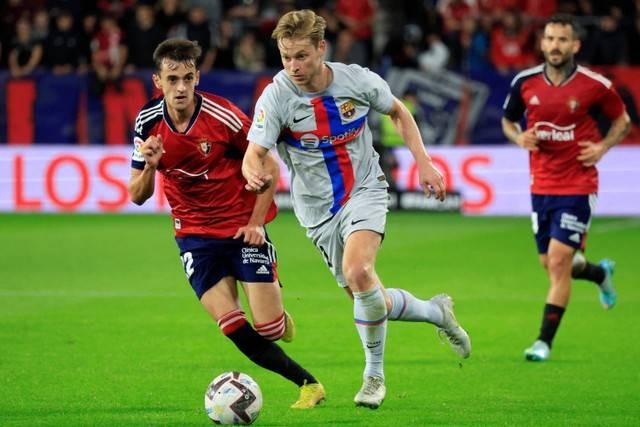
column 324, row 138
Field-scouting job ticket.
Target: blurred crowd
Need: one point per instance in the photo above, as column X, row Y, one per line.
column 115, row 37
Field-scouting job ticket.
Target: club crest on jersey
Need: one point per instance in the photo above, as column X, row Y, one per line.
column 205, row 147
column 348, row 110
column 573, row 104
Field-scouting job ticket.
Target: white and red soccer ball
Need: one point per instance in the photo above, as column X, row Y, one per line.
column 233, row 398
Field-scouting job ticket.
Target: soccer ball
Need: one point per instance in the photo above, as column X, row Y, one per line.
column 233, row 398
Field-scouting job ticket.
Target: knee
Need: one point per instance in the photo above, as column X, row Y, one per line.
column 273, row 330
column 359, row 276
column 558, row 264
column 232, row 321
column 578, row 264
column 544, row 263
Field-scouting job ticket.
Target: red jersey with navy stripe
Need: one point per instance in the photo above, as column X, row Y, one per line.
column 562, row 116
column 201, row 167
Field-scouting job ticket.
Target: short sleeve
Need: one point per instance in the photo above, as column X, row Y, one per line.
column 148, row 116
column 610, row 103
column 514, row 106
column 378, row 92
column 267, row 123
column 239, row 138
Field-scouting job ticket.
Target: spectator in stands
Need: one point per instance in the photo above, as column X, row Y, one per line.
column 242, row 12
column 26, row 51
column 115, row 8
column 169, row 16
column 634, row 40
column 249, row 53
column 88, row 30
column 453, row 12
column 609, row 45
column 540, row 8
column 214, row 10
column 108, row 52
column 512, row 44
column 10, row 12
column 196, row 28
column 402, row 48
column 436, row 55
column 223, row 50
column 61, row 47
column 41, row 25
column 142, row 38
column 473, row 46
column 354, row 42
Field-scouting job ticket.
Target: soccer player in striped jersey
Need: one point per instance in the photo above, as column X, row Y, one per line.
column 316, row 112
column 196, row 141
column 564, row 147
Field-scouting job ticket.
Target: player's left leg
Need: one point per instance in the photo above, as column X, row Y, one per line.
column 601, row 274
column 265, row 302
column 269, row 317
column 438, row 310
column 255, row 268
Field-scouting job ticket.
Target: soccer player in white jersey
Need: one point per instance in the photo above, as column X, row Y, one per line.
column 316, row 113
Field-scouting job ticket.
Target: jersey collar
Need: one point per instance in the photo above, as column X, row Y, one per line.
column 196, row 112
column 565, row 81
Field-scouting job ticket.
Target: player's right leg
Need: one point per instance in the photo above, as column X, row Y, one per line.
column 558, row 262
column 349, row 243
column 370, row 312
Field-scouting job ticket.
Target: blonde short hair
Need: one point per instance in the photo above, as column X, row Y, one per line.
column 300, row 24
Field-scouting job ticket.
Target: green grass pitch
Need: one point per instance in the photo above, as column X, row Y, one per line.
column 98, row 326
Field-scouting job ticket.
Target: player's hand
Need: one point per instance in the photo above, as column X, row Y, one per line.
column 252, row 234
column 528, row 140
column 432, row 181
column 591, row 152
column 152, row 150
column 258, row 183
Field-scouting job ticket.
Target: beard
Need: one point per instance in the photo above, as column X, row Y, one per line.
column 562, row 63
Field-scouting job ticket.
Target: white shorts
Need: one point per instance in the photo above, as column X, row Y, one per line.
column 366, row 210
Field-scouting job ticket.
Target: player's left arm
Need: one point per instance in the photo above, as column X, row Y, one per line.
column 253, row 232
column 591, row 152
column 431, row 180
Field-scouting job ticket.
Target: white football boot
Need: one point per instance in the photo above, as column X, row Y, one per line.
column 538, row 352
column 372, row 393
column 450, row 328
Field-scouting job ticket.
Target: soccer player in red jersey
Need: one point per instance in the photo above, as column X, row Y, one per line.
column 196, row 141
column 564, row 146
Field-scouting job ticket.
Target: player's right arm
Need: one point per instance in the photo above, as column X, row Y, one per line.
column 514, row 108
column 142, row 182
column 514, row 133
column 263, row 134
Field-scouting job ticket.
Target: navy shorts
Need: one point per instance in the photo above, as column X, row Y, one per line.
column 564, row 218
column 207, row 260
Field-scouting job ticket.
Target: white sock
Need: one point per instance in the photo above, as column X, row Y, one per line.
column 405, row 306
column 370, row 316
